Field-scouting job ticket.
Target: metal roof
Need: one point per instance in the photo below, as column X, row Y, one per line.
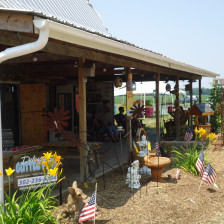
column 77, row 13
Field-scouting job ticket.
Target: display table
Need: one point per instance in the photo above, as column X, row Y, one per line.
column 9, row 153
column 63, row 148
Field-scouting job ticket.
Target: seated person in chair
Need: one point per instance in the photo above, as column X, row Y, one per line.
column 105, row 124
column 120, row 118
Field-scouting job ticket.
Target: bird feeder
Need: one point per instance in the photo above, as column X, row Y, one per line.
column 201, row 110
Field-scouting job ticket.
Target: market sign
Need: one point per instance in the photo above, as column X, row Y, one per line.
column 29, row 173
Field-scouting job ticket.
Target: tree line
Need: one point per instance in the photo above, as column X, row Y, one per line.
column 205, row 91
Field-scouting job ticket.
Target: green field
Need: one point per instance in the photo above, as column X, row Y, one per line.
column 121, row 100
column 151, row 122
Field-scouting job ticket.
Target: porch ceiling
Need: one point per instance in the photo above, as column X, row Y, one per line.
column 57, row 63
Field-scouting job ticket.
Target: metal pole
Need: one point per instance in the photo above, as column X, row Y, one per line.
column 1, row 155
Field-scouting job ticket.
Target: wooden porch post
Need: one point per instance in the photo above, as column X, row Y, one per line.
column 82, row 117
column 200, row 91
column 1, row 157
column 129, row 104
column 191, row 99
column 157, row 106
column 177, row 111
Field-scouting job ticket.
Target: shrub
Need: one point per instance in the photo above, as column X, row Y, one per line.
column 215, row 101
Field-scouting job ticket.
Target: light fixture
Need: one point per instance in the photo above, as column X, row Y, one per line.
column 118, row 82
column 141, row 78
column 168, row 87
column 104, row 69
column 76, row 64
column 34, row 58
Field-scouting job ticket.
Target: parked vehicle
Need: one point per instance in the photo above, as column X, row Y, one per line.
column 187, row 99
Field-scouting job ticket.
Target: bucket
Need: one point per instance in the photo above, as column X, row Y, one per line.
column 149, row 112
column 170, row 109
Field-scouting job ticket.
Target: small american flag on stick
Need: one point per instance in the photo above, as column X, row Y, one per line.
column 89, row 210
column 200, row 164
column 158, row 153
column 209, row 175
column 188, row 135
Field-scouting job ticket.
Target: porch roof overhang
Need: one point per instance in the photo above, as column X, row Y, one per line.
column 75, row 36
column 112, row 52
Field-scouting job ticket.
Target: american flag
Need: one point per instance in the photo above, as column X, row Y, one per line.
column 158, row 153
column 188, row 135
column 200, row 164
column 89, row 210
column 209, row 175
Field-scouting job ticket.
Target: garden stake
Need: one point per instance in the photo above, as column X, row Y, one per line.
column 199, row 187
column 94, row 221
column 60, row 193
column 157, row 175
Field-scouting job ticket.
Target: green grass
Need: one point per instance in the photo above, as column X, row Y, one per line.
column 121, row 100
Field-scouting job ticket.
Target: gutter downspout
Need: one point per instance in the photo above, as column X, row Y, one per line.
column 24, row 49
column 17, row 51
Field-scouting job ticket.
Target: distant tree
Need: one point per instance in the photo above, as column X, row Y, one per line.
column 215, row 101
column 195, row 91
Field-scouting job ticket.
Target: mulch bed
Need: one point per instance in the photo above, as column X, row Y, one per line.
column 168, row 203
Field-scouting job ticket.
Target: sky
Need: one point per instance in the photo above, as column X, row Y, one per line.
column 189, row 31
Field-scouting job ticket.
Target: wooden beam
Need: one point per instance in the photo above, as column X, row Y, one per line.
column 200, row 90
column 71, row 50
column 129, row 104
column 16, row 22
column 177, row 111
column 157, row 107
column 82, row 117
column 191, row 100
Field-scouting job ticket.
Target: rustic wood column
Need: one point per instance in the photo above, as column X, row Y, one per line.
column 157, row 106
column 129, row 104
column 177, row 110
column 191, row 100
column 191, row 92
column 82, row 117
column 199, row 89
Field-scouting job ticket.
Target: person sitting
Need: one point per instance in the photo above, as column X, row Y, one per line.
column 105, row 124
column 120, row 118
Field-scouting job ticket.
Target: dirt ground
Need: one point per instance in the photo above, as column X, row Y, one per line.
column 168, row 203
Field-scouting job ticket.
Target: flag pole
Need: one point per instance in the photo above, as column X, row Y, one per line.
column 199, row 186
column 95, row 205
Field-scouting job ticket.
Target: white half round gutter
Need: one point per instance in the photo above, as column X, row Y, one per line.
column 28, row 48
column 86, row 39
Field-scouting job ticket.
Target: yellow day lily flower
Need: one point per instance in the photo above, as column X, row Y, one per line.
column 1, row 173
column 46, row 164
column 53, row 171
column 47, row 155
column 9, row 171
column 57, row 158
column 212, row 137
column 196, row 130
column 58, row 164
column 202, row 131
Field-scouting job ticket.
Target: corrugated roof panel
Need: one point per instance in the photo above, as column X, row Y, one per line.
column 78, row 13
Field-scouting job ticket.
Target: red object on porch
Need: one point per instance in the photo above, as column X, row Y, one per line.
column 170, row 109
column 149, row 112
